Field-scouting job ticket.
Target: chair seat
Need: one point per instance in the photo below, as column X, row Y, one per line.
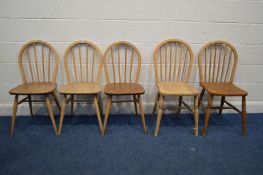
column 223, row 89
column 34, row 88
column 175, row 88
column 80, row 88
column 123, row 89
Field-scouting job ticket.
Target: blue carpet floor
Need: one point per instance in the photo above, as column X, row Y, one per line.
column 34, row 149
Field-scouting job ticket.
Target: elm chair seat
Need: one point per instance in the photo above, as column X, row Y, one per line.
column 223, row 89
column 123, row 89
column 34, row 88
column 80, row 88
column 176, row 88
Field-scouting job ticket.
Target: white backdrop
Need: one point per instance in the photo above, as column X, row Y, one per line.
column 145, row 23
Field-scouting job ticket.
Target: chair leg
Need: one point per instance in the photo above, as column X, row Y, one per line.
column 142, row 114
column 30, row 105
column 14, row 115
column 56, row 101
column 244, row 113
column 201, row 97
column 72, row 104
column 155, row 103
column 100, row 104
column 96, row 103
column 107, row 114
column 135, row 104
column 221, row 105
column 159, row 116
column 196, row 115
column 180, row 105
column 51, row 115
column 62, row 113
column 207, row 114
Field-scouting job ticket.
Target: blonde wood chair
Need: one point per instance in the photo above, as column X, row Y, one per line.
column 122, row 65
column 38, row 63
column 83, row 65
column 217, row 62
column 173, row 59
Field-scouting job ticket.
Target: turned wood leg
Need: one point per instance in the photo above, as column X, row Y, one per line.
column 30, row 105
column 51, row 114
column 207, row 114
column 14, row 115
column 180, row 105
column 100, row 104
column 96, row 104
column 196, row 115
column 135, row 104
column 62, row 113
column 107, row 114
column 142, row 114
column 159, row 116
column 155, row 103
column 201, row 97
column 244, row 113
column 221, row 105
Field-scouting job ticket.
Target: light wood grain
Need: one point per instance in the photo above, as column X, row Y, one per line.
column 216, row 77
column 122, row 66
column 39, row 76
column 173, row 59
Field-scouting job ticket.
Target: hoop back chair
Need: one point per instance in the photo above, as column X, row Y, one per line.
column 83, row 65
column 122, row 65
column 38, row 63
column 217, row 62
column 173, row 60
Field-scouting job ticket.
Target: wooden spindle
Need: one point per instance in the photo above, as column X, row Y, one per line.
column 30, row 67
column 93, row 62
column 161, row 65
column 125, row 62
column 219, row 65
column 112, row 61
column 170, row 70
column 119, row 65
column 80, row 62
column 184, row 69
column 74, row 64
column 175, row 57
column 48, row 68
column 131, row 66
column 43, row 63
column 210, row 63
column 87, row 63
column 223, row 65
column 165, row 63
column 214, row 64
column 205, row 65
column 179, row 65
column 228, row 66
column 35, row 54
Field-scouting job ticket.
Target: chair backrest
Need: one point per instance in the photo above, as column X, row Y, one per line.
column 217, row 61
column 83, row 62
column 122, row 63
column 38, row 62
column 173, row 60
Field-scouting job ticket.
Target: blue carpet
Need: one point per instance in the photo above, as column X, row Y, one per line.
column 34, row 149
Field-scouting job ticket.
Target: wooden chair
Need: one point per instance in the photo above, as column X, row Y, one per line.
column 83, row 65
column 38, row 63
column 122, row 65
column 173, row 59
column 217, row 62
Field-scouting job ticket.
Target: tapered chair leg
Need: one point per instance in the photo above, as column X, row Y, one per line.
column 30, row 105
column 196, row 115
column 221, row 105
column 201, row 97
column 100, row 104
column 159, row 116
column 135, row 104
column 96, row 104
column 62, row 113
column 72, row 104
column 244, row 113
column 180, row 105
column 56, row 101
column 142, row 114
column 155, row 103
column 207, row 114
column 51, row 115
column 107, row 114
column 14, row 115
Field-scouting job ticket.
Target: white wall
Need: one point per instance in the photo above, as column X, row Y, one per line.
column 142, row 22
